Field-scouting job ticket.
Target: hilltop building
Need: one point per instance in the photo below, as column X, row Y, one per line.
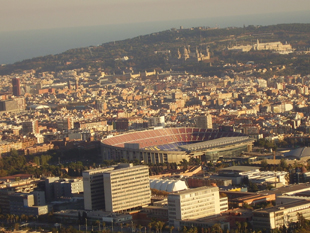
column 197, row 56
column 273, row 46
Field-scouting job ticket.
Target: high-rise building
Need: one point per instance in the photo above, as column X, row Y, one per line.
column 204, row 122
column 116, row 189
column 16, row 86
column 30, row 127
column 192, row 204
column 101, row 105
column 156, row 121
column 76, row 83
column 65, row 124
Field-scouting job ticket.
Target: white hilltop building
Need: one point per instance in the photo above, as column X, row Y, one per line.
column 277, row 47
column 168, row 185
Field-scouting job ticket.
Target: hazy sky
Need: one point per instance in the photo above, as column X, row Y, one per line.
column 45, row 14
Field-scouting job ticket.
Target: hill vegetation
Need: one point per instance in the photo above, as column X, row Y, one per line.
column 141, row 51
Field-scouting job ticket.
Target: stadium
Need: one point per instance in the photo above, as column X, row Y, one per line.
column 172, row 145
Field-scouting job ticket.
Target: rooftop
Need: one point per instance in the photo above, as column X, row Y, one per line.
column 192, row 190
column 240, row 168
column 219, row 142
column 284, row 206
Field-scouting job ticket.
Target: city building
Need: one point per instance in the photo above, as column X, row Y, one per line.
column 193, row 204
column 280, row 215
column 16, row 86
column 67, row 187
column 12, row 105
column 114, row 189
column 204, row 122
column 30, row 127
column 23, row 203
column 156, row 121
column 65, row 124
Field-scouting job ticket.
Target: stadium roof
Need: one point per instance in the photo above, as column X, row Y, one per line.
column 299, row 153
column 219, row 142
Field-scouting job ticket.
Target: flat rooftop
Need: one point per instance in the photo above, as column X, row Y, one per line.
column 290, row 189
column 192, row 190
column 219, row 142
column 240, row 168
column 284, row 206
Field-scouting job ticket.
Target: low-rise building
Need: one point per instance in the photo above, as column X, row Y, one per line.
column 281, row 215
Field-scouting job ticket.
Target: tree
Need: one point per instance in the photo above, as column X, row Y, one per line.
column 150, row 227
column 252, row 187
column 244, row 226
column 216, row 228
column 238, row 225
column 16, row 226
column 161, row 225
column 283, row 164
column 184, row 163
column 264, row 164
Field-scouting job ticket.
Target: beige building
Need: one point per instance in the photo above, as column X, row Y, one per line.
column 277, row 216
column 204, row 122
column 117, row 189
column 193, row 204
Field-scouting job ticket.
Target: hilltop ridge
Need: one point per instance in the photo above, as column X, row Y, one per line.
column 159, row 50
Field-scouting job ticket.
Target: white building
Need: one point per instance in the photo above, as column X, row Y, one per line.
column 168, row 185
column 116, row 189
column 193, row 204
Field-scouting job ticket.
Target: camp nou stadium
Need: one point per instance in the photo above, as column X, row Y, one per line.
column 172, row 145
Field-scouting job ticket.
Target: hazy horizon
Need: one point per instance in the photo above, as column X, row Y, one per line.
column 37, row 14
column 25, row 44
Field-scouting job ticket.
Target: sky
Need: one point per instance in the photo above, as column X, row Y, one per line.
column 17, row 15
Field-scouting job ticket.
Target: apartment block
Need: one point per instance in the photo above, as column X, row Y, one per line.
column 193, row 204
column 117, row 189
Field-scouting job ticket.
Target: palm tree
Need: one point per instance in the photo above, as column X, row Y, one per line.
column 171, row 229
column 97, row 222
column 157, row 227
column 161, row 225
column 217, row 228
column 244, row 226
column 238, row 225
column 8, row 218
column 140, row 227
column 17, row 218
column 150, row 227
